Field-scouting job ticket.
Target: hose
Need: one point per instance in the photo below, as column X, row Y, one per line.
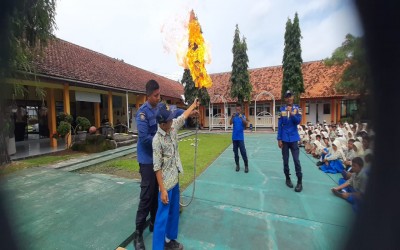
column 194, row 168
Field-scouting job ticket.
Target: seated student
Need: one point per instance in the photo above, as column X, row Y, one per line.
column 333, row 161
column 332, row 132
column 368, row 158
column 316, row 152
column 318, row 149
column 358, row 148
column 301, row 134
column 305, row 139
column 349, row 154
column 326, row 150
column 350, row 135
column 358, row 152
column 309, row 146
column 353, row 189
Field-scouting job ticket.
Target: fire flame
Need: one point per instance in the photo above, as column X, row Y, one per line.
column 197, row 54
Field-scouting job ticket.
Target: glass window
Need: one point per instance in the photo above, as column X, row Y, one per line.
column 251, row 111
column 307, row 108
column 327, row 108
column 348, row 108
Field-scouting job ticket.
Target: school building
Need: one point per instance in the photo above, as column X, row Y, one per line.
column 320, row 101
column 82, row 82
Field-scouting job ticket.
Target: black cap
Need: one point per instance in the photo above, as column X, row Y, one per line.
column 288, row 94
column 163, row 114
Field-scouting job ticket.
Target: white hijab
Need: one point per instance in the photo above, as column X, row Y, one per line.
column 358, row 148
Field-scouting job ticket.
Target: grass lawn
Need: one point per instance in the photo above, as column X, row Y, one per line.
column 209, row 148
column 39, row 161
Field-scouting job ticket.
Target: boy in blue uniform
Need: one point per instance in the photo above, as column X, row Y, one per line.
column 167, row 166
column 288, row 137
column 147, row 128
column 239, row 122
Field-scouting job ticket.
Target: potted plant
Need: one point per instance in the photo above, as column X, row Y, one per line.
column 82, row 125
column 64, row 127
column 11, row 148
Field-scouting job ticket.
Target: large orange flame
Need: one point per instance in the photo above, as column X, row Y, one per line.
column 197, row 55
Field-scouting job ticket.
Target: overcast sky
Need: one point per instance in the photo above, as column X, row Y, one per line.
column 146, row 33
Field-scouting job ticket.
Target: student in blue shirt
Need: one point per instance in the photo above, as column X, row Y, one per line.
column 239, row 122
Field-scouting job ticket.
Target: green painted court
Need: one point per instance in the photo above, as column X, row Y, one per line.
column 53, row 209
column 234, row 210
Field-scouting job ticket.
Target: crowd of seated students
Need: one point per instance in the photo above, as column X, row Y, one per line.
column 344, row 149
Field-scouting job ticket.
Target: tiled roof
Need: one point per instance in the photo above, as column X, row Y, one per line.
column 319, row 82
column 70, row 61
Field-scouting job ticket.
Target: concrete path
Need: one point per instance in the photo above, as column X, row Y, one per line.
column 54, row 209
column 234, row 210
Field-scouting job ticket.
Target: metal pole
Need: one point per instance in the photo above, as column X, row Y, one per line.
column 127, row 110
column 255, row 114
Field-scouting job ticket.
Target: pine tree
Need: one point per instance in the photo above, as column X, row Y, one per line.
column 241, row 87
column 292, row 60
column 191, row 92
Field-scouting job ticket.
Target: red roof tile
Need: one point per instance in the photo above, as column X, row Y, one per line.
column 70, row 61
column 319, row 82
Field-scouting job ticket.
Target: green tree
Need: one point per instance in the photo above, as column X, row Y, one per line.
column 292, row 60
column 241, row 87
column 25, row 26
column 191, row 92
column 356, row 78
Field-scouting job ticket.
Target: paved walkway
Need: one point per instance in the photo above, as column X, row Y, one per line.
column 55, row 209
column 234, row 210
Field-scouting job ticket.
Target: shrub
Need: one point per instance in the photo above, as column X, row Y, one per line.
column 63, row 129
column 82, row 123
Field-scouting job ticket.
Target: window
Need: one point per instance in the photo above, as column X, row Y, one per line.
column 232, row 109
column 261, row 108
column 307, row 108
column 251, row 111
column 327, row 108
column 348, row 108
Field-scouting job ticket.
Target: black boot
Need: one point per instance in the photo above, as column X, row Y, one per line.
column 138, row 243
column 237, row 168
column 246, row 166
column 299, row 185
column 288, row 181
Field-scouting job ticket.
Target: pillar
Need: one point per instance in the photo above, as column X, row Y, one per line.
column 127, row 110
column 338, row 111
column 67, row 109
column 97, row 114
column 246, row 111
column 333, row 110
column 303, row 110
column 110, row 109
column 51, row 116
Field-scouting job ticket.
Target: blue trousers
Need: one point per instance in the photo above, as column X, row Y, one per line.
column 239, row 144
column 294, row 148
column 167, row 219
